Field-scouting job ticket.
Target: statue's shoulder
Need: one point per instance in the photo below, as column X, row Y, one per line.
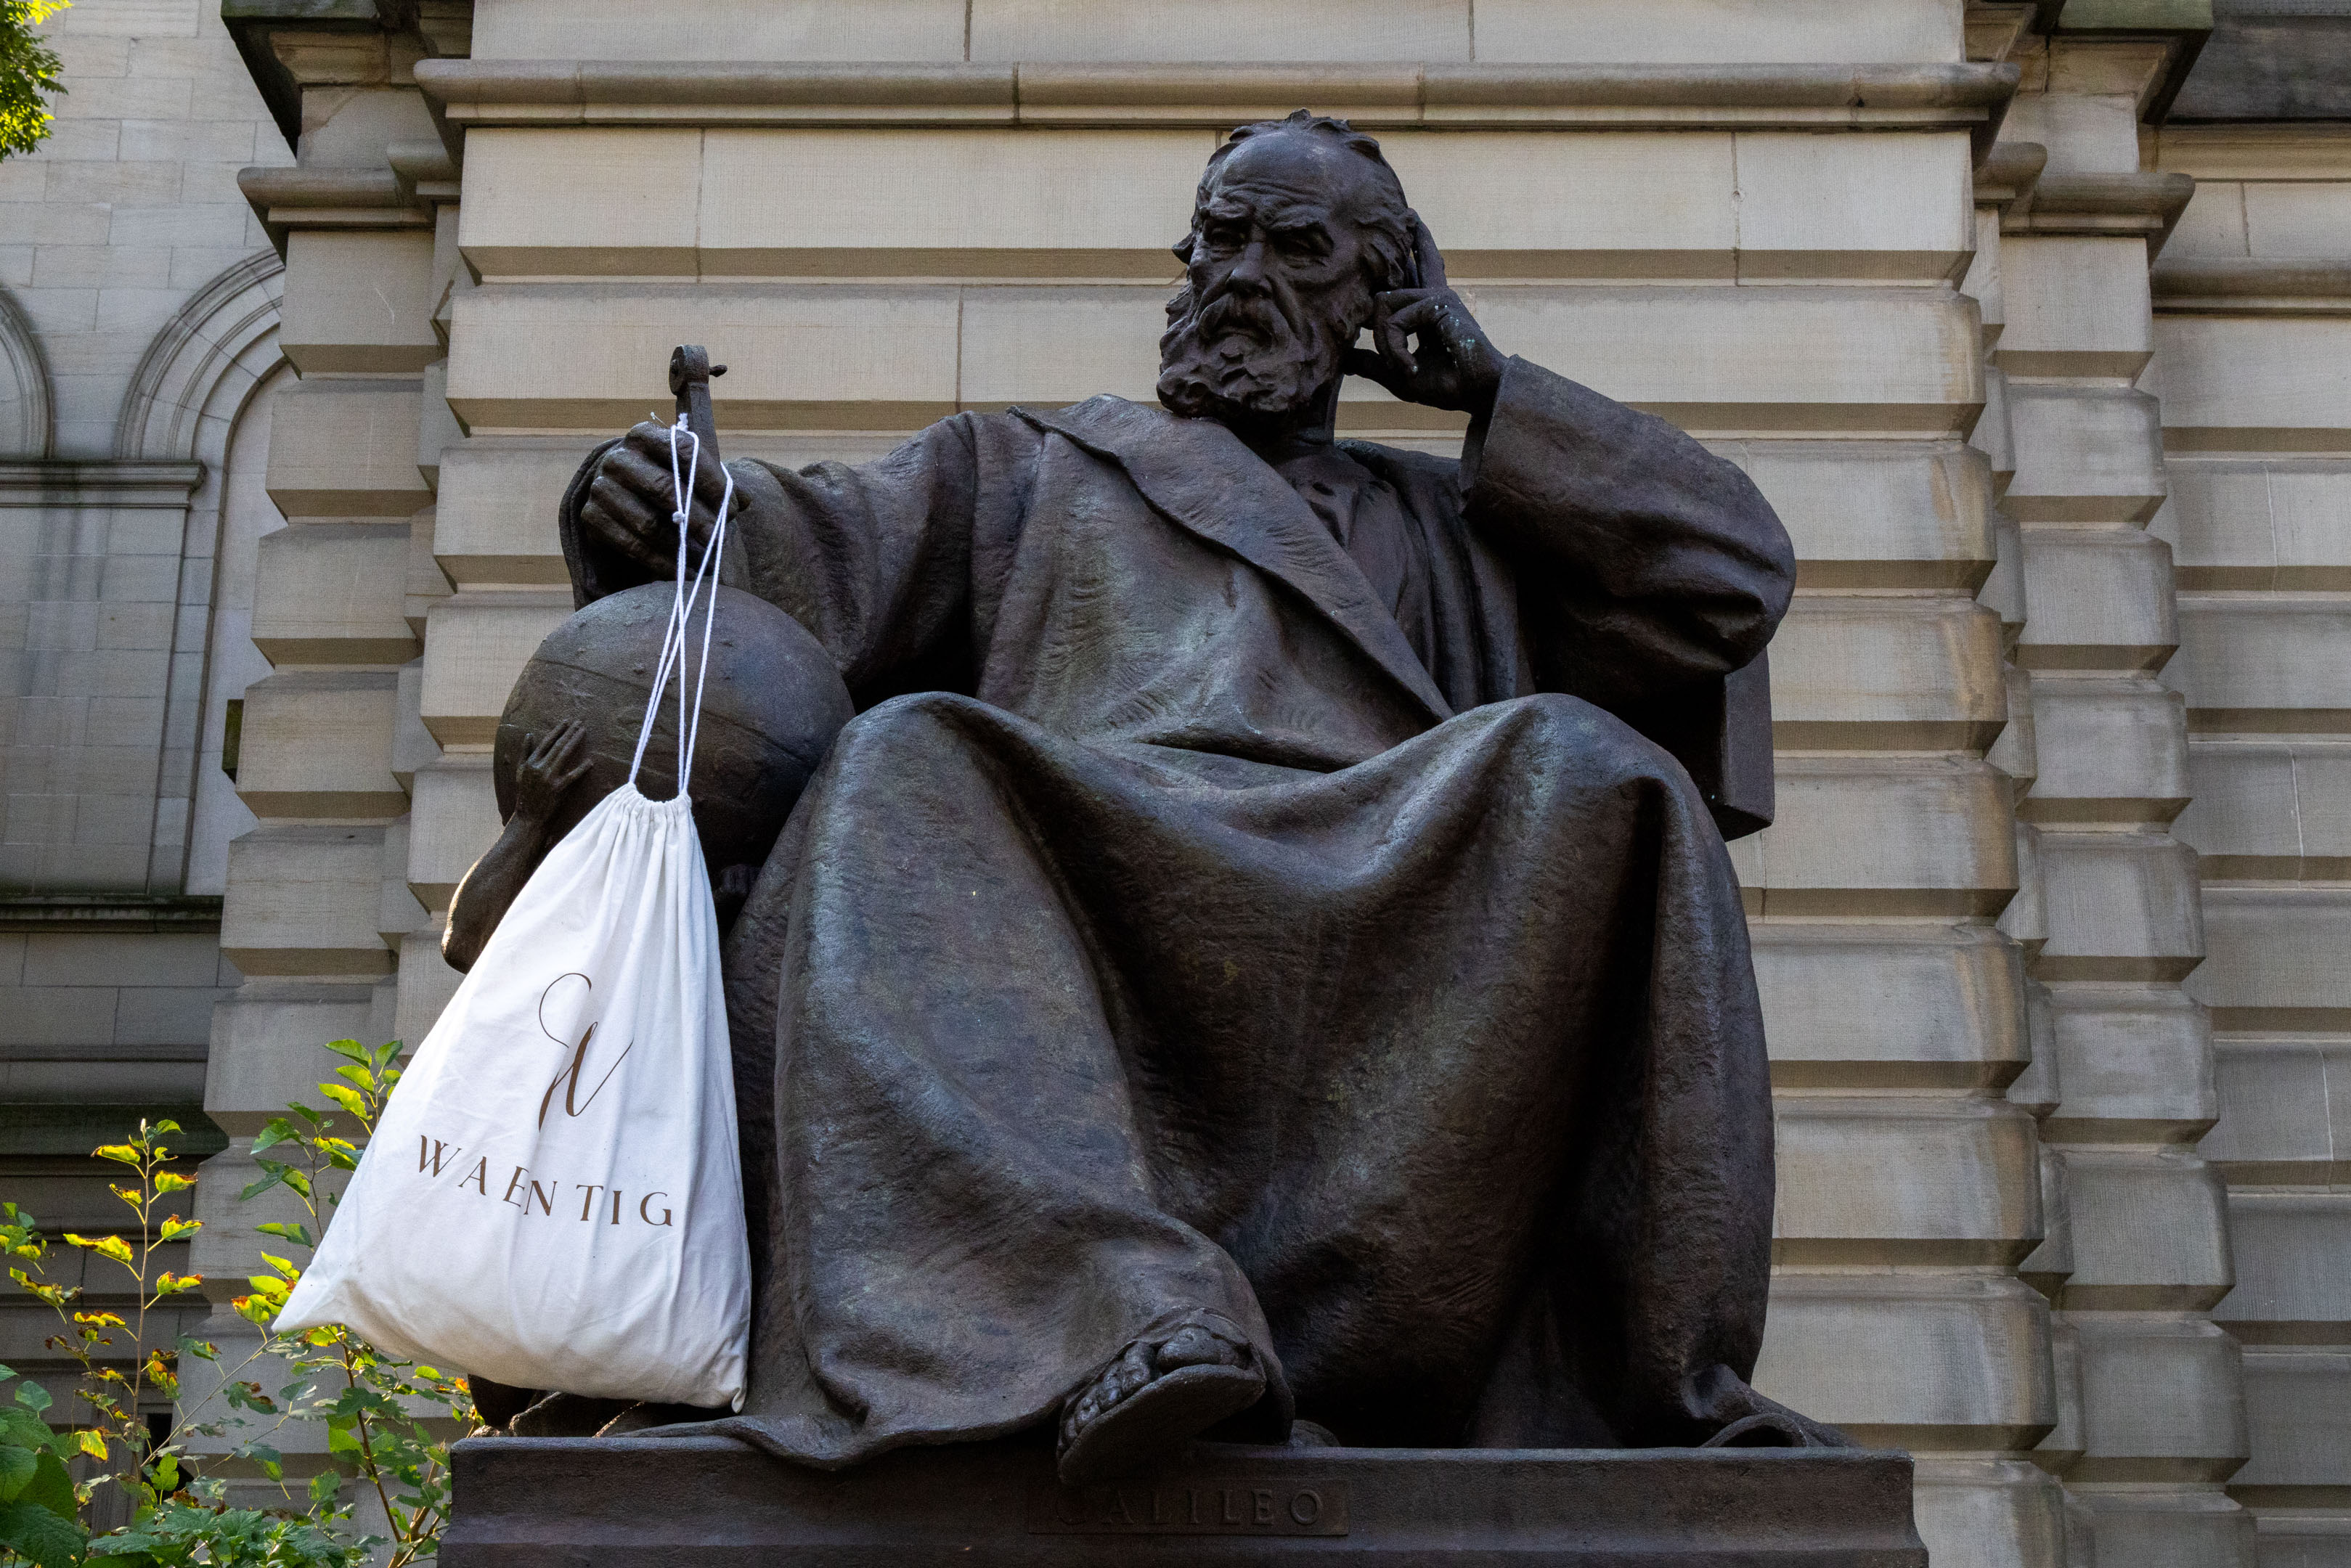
column 1114, row 425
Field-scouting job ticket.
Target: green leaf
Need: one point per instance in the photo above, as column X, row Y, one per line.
column 51, row 1487
column 17, row 1467
column 33, row 1396
column 24, row 1429
column 277, row 1130
column 323, row 1486
column 48, row 1539
column 254, row 1189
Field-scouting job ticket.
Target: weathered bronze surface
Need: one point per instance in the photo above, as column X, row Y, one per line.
column 1260, row 949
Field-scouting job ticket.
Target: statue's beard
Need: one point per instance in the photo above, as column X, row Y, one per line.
column 1243, row 358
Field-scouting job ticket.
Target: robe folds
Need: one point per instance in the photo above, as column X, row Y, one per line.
column 1168, row 941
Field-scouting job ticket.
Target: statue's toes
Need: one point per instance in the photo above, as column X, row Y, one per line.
column 1145, row 1425
column 1196, row 1347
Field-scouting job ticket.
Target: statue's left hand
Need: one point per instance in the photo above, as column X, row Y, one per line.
column 1453, row 364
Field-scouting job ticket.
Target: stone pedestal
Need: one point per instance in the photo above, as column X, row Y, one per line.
column 651, row 1503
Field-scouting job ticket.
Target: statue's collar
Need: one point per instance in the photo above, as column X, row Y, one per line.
column 1200, row 475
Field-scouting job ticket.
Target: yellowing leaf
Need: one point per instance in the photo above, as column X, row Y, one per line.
column 344, row 1095
column 172, row 1181
column 112, row 1247
column 121, row 1154
column 90, row 1443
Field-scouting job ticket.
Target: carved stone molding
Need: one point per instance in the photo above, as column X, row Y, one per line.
column 2251, row 286
column 2107, row 205
column 27, row 411
column 1524, row 97
column 221, row 329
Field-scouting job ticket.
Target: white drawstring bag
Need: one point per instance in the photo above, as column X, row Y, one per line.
column 552, row 1198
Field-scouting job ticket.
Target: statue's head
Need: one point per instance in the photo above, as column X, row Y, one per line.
column 1297, row 225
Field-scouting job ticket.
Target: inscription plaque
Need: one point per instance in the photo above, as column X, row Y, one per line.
column 1192, row 1505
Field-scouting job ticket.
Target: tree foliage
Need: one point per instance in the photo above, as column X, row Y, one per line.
column 28, row 74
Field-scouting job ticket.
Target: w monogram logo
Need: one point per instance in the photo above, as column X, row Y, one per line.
column 568, row 1080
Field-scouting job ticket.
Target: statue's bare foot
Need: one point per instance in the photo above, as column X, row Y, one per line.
column 1153, row 1397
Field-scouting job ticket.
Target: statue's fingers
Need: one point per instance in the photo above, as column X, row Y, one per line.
column 647, row 474
column 626, row 505
column 648, row 438
column 573, row 774
column 622, row 521
column 710, row 484
column 1426, row 255
column 1421, row 317
column 1390, row 338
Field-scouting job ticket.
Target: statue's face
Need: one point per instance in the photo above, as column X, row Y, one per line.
column 1277, row 284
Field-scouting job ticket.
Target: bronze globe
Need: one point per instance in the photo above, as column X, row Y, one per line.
column 771, row 704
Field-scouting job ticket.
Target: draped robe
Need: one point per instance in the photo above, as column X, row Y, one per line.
column 1170, row 939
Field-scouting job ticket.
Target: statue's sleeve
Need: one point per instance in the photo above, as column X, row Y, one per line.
column 875, row 559
column 1646, row 564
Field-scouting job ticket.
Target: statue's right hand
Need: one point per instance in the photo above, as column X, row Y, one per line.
column 632, row 500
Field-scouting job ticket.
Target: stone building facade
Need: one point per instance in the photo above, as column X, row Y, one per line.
column 2029, row 318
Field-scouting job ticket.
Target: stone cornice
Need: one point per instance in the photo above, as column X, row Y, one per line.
column 2147, row 206
column 1519, row 97
column 103, row 912
column 98, row 482
column 2010, row 175
column 2250, row 286
column 287, row 197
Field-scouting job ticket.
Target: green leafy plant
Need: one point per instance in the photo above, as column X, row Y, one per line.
column 387, row 1424
column 28, row 74
column 380, row 1413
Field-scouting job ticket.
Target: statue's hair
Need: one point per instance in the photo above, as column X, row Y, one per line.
column 1389, row 225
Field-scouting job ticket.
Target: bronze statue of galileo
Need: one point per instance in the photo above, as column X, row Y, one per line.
column 1263, row 957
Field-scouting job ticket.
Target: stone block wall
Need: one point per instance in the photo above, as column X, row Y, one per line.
column 137, row 314
column 2251, row 338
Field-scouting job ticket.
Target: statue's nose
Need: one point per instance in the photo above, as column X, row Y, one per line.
column 1249, row 273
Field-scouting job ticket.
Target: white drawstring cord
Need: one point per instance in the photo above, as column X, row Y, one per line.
column 686, row 596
